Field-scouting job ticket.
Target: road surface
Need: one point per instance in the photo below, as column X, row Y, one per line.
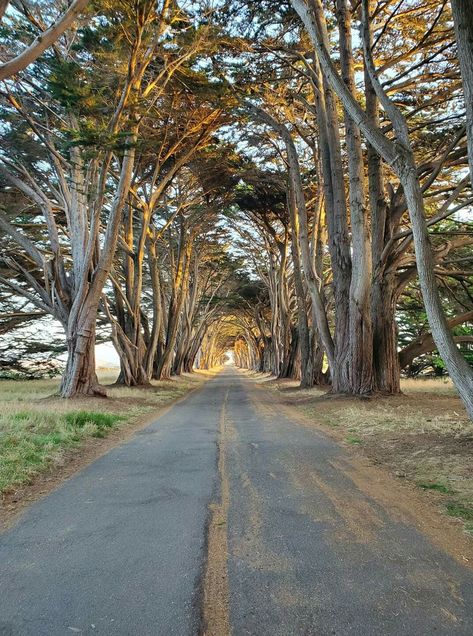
column 225, row 516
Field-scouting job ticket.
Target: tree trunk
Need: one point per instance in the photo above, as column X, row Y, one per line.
column 307, row 370
column 457, row 367
column 385, row 356
column 336, row 214
column 463, row 21
column 80, row 377
column 321, row 378
column 383, row 295
column 132, row 368
column 360, row 345
column 176, row 304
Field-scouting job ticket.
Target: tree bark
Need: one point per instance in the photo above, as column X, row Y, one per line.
column 360, row 356
column 305, row 340
column 80, row 377
column 176, row 303
column 463, row 21
column 385, row 357
column 383, row 295
column 337, row 223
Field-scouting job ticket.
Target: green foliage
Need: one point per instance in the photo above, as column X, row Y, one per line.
column 68, row 84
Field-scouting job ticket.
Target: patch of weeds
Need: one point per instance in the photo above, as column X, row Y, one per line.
column 79, row 419
column 459, row 510
column 353, row 440
column 433, row 485
column 32, row 440
column 53, row 439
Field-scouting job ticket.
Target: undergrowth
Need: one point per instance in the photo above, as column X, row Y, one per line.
column 30, row 440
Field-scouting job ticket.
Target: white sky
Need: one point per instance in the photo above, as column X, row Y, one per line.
column 106, row 356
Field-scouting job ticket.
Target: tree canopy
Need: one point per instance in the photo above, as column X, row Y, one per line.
column 290, row 181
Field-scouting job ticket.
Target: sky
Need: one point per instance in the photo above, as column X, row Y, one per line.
column 106, row 356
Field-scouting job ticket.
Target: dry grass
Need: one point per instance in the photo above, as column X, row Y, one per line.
column 423, row 436
column 38, row 429
column 441, row 386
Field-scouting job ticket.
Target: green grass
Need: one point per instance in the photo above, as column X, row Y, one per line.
column 455, row 509
column 30, row 440
column 353, row 440
column 432, row 485
column 102, row 421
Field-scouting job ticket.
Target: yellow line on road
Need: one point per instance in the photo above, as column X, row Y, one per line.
column 216, row 615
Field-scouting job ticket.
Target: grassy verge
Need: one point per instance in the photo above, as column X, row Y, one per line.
column 423, row 436
column 38, row 432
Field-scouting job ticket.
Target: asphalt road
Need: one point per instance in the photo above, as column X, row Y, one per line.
column 121, row 548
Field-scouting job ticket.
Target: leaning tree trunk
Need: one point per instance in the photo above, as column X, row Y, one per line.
column 457, row 367
column 463, row 21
